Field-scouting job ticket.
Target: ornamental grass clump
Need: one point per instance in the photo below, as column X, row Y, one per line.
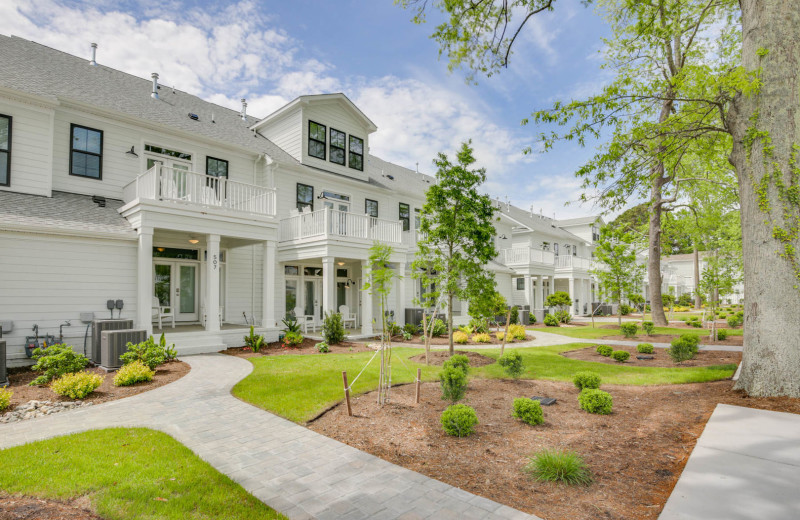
column 586, row 379
column 559, row 466
column 512, row 364
column 77, row 385
column 5, row 398
column 459, row 420
column 644, row 348
column 132, row 373
column 629, row 329
column 55, row 361
column 528, row 411
column 595, row 401
column 604, row 350
column 620, row 356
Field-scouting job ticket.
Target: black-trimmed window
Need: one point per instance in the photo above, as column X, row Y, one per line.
column 5, row 150
column 86, row 152
column 216, row 167
column 520, row 284
column 337, row 147
column 305, row 197
column 316, row 140
column 356, row 153
column 405, row 216
column 371, row 207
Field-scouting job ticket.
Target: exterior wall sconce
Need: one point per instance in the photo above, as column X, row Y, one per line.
column 132, row 152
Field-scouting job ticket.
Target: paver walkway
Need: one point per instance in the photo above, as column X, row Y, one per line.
column 296, row 471
column 746, row 464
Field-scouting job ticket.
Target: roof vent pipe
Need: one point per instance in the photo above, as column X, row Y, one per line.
column 94, row 55
column 244, row 109
column 154, row 94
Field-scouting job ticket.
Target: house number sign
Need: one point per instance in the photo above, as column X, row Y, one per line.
column 214, row 261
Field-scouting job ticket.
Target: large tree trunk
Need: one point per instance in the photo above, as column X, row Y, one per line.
column 771, row 360
column 698, row 302
column 654, row 251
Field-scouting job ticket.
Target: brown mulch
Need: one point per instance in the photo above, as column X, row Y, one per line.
column 418, row 339
column 308, row 346
column 19, row 378
column 636, row 454
column 438, row 357
column 705, row 339
column 31, row 508
column 574, row 324
column 702, row 359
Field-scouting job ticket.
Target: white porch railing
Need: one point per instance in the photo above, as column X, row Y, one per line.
column 575, row 262
column 525, row 256
column 329, row 222
column 176, row 185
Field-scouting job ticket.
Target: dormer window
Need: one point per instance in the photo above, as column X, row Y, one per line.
column 316, row 140
column 337, row 147
column 356, row 153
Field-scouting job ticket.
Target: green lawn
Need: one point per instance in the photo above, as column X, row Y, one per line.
column 126, row 472
column 299, row 387
column 589, row 332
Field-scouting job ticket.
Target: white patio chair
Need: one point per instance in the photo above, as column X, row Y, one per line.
column 347, row 316
column 304, row 319
column 209, row 196
column 160, row 312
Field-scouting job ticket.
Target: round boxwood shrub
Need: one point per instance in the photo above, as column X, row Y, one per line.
column 132, row 373
column 644, row 348
column 459, row 420
column 528, row 411
column 620, row 355
column 460, row 337
column 648, row 327
column 604, row 350
column 596, row 401
column 586, row 379
column 551, row 321
column 76, row 385
column 629, row 329
column 512, row 364
column 722, row 334
column 683, row 348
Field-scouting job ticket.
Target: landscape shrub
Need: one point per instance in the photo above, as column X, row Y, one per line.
column 459, row 361
column 253, row 340
column 500, row 335
column 559, row 466
column 514, row 315
column 620, row 356
column 722, row 316
column 5, row 398
column 586, row 379
column 550, row 320
column 511, row 362
column 56, row 360
column 482, row 338
column 625, row 309
column 148, row 352
column 439, row 328
column 454, row 383
column 563, row 316
column 722, row 334
column 392, row 328
column 407, row 335
column 596, row 401
column 290, row 325
column 292, row 339
column 460, row 337
column 333, row 328
column 693, row 321
column 76, row 385
column 531, row 319
column 604, row 350
column 479, row 325
column 132, row 373
column 459, row 420
column 645, row 348
column 410, row 329
column 516, row 332
column 648, row 327
column 528, row 411
column 734, row 321
column 323, row 347
column 629, row 329
column 683, row 348
column 466, row 329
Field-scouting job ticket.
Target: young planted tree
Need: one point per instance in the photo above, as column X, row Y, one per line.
column 720, row 274
column 618, row 269
column 424, row 269
column 458, row 232
column 379, row 283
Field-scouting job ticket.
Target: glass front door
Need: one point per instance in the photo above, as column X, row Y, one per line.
column 187, row 292
column 176, row 287
column 312, row 305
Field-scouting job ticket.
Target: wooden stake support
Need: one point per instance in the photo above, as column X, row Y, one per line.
column 416, row 395
column 347, row 393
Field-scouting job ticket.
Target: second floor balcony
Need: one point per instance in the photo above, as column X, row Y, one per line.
column 174, row 185
column 329, row 223
column 573, row 262
column 526, row 256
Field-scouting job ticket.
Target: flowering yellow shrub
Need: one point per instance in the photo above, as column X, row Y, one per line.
column 5, row 398
column 77, row 385
column 482, row 338
column 516, row 331
column 133, row 373
column 460, row 337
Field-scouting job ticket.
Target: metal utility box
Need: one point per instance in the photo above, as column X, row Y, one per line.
column 114, row 343
column 3, row 370
column 525, row 316
column 98, row 326
column 414, row 316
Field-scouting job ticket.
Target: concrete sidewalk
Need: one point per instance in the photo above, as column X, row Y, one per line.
column 746, row 465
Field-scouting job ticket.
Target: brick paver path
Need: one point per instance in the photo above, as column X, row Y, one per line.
column 296, row 471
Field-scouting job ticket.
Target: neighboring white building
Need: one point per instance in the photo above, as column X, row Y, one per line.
column 114, row 187
column 678, row 275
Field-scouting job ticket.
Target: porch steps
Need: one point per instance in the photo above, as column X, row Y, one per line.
column 202, row 342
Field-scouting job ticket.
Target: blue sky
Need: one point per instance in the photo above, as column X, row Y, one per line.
column 272, row 51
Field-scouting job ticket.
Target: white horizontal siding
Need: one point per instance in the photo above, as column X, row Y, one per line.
column 334, row 115
column 244, row 285
column 286, row 132
column 31, row 148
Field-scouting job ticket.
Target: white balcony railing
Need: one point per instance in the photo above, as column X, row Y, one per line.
column 525, row 256
column 328, row 222
column 575, row 262
column 176, row 185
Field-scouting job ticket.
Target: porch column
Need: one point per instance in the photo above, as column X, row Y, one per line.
column 328, row 285
column 530, row 294
column 572, row 292
column 400, row 313
column 366, row 300
column 144, row 289
column 268, row 285
column 212, row 283
column 540, row 291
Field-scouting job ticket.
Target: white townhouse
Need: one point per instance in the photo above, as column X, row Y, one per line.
column 678, row 276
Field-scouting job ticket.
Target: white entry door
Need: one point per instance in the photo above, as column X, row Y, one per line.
column 312, row 299
column 176, row 287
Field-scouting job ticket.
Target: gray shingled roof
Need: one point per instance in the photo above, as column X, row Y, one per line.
column 64, row 211
column 591, row 219
column 404, row 179
column 40, row 70
column 537, row 223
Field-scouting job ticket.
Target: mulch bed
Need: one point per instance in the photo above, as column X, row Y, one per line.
column 444, row 340
column 19, row 378
column 30, row 508
column 308, row 346
column 438, row 357
column 705, row 339
column 661, row 358
column 636, row 454
column 574, row 324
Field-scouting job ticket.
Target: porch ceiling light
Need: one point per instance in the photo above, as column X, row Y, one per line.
column 193, row 241
column 340, row 264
